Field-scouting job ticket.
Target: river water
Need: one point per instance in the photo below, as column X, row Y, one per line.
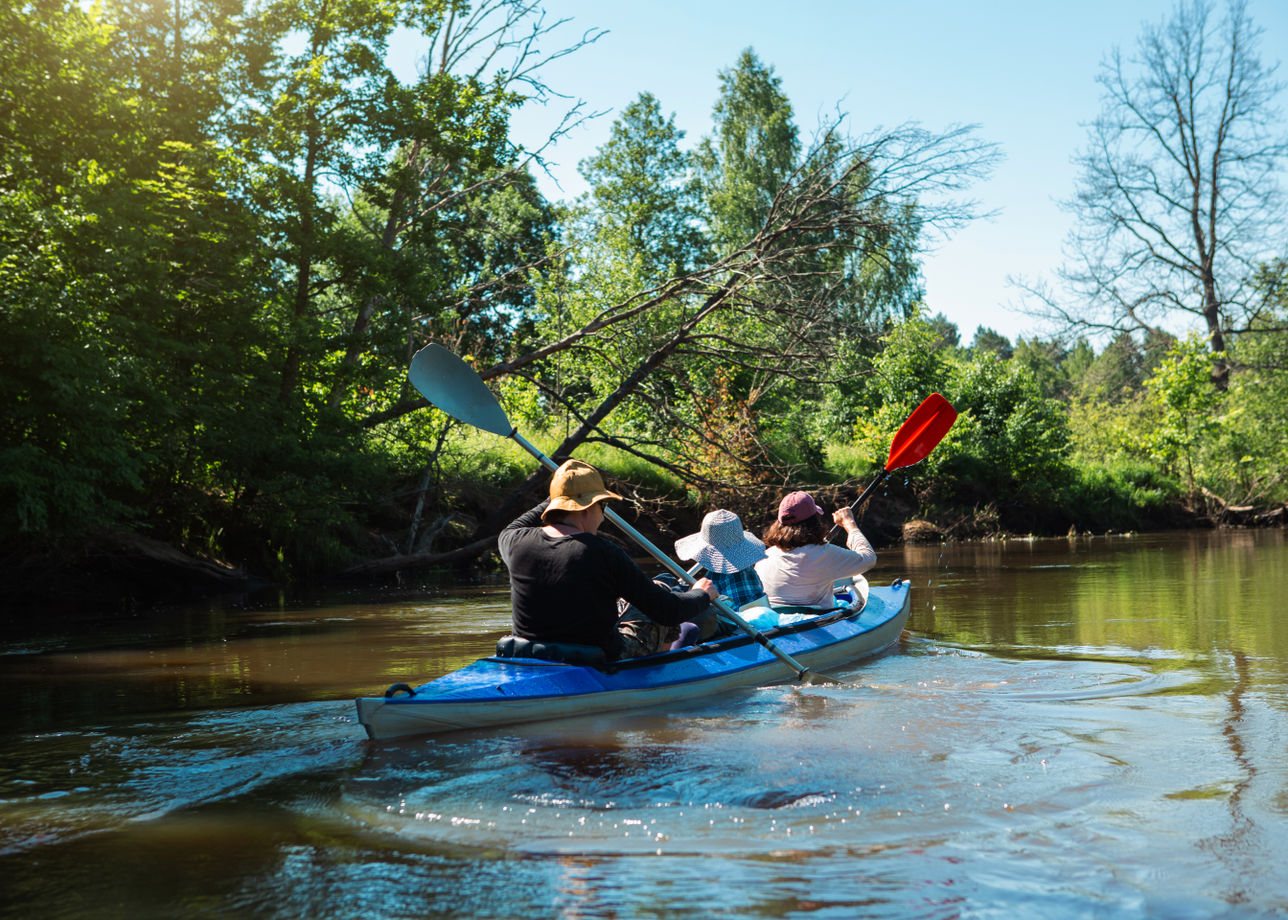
column 1090, row 727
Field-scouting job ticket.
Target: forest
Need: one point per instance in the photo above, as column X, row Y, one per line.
column 226, row 226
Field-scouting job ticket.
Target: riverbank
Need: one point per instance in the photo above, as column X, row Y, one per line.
column 128, row 571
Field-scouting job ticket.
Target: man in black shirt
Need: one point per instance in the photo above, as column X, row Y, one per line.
column 565, row 579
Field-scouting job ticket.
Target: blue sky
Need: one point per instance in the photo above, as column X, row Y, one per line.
column 1023, row 70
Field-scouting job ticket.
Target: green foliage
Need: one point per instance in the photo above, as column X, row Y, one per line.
column 753, row 149
column 1009, row 446
column 1181, row 387
column 1119, row 495
column 1078, row 360
column 1115, row 375
column 638, row 225
column 912, row 364
column 1229, row 444
column 991, row 342
column 1010, row 443
column 216, row 248
column 643, row 189
column 120, row 287
column 946, row 330
column 1046, row 361
column 1103, row 431
column 225, row 229
column 841, row 405
column 1249, row 441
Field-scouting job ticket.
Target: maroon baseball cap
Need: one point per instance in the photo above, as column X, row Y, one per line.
column 797, row 507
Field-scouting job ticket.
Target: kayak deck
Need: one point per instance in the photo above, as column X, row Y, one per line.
column 507, row 691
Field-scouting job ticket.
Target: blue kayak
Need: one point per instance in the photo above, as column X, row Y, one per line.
column 508, row 691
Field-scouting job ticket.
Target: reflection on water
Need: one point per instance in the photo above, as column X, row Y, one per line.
column 1071, row 728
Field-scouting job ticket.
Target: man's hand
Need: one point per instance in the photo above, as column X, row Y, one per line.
column 705, row 584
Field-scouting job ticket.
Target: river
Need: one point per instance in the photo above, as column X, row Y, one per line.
column 1083, row 727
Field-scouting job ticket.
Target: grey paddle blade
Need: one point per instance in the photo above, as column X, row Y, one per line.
column 453, row 386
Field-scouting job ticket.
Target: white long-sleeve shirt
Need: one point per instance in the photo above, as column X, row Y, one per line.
column 804, row 576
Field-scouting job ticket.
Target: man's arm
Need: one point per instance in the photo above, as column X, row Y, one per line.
column 670, row 608
column 529, row 518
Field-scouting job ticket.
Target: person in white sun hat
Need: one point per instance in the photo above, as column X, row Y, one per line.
column 728, row 553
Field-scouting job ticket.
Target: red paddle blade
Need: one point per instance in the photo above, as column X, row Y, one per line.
column 924, row 429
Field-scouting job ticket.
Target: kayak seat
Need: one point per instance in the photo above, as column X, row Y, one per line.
column 564, row 652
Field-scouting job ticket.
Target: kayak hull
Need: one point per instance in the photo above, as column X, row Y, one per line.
column 509, row 691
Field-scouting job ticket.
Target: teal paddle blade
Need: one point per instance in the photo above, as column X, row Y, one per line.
column 453, row 386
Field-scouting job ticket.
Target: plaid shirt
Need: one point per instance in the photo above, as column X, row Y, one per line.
column 740, row 587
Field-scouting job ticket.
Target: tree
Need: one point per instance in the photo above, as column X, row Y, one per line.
column 752, row 151
column 1179, row 195
column 447, row 225
column 223, row 228
column 1187, row 406
column 837, row 283
column 1252, row 437
column 989, row 341
column 1013, row 441
column 708, row 375
column 1118, row 373
column 1046, row 361
column 1008, row 446
column 639, row 226
column 129, row 285
column 1078, row 361
column 642, row 186
column 947, row 331
column 400, row 211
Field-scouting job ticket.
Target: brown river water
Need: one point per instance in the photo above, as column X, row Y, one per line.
column 1087, row 727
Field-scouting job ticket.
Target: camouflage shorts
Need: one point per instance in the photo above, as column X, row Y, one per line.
column 641, row 636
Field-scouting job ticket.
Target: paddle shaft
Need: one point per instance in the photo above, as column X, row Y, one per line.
column 858, row 501
column 671, row 567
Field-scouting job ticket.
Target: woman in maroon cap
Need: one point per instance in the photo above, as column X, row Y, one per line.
column 800, row 566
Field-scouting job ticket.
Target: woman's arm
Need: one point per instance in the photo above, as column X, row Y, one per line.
column 858, row 555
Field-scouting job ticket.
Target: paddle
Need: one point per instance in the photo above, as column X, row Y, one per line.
column 916, row 438
column 453, row 386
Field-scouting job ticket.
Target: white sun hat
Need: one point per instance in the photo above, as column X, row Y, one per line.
column 722, row 545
